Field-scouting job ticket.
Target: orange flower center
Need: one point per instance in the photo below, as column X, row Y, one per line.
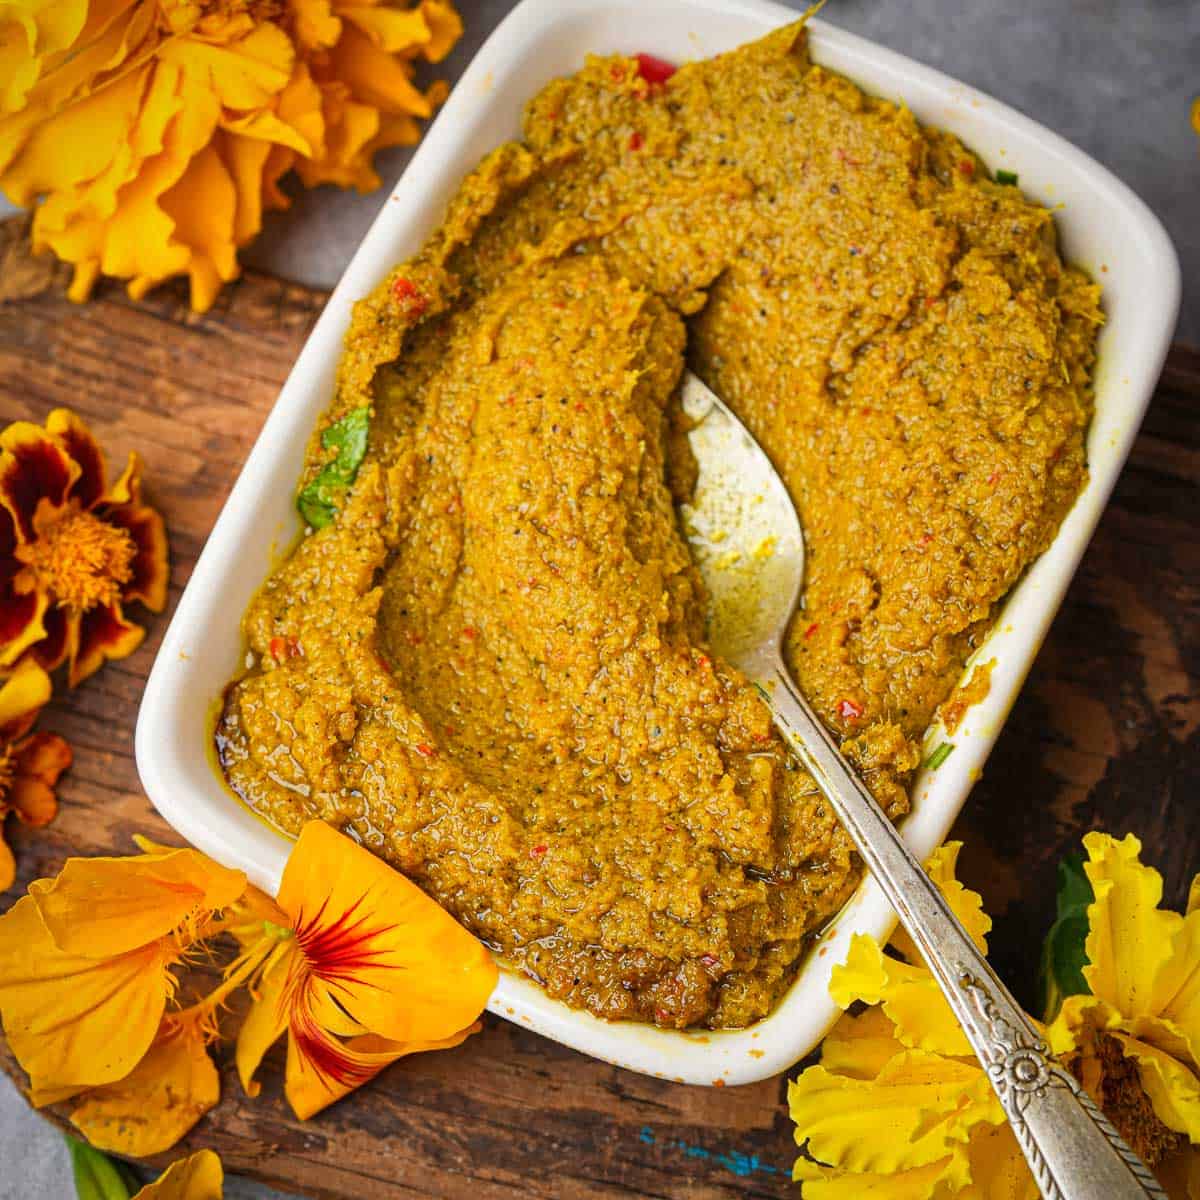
column 80, row 560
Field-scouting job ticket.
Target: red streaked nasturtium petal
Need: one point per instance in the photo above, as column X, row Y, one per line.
column 106, row 906
column 309, row 1090
column 392, row 959
column 198, row 1177
column 75, row 1021
column 77, row 440
column 33, row 467
column 104, row 636
column 153, row 1106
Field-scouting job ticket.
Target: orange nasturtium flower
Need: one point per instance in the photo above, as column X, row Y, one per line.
column 156, row 131
column 360, row 968
column 355, row 962
column 30, row 763
column 74, row 550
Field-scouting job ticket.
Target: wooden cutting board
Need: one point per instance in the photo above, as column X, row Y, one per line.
column 1104, row 736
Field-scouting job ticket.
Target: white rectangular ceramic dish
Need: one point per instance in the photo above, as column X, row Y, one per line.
column 1104, row 227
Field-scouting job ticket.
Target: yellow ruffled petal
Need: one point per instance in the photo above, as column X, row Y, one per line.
column 966, row 904
column 910, row 996
column 75, row 1021
column 391, row 29
column 445, row 28
column 203, row 204
column 24, row 691
column 151, row 1108
column 376, row 77
column 198, row 1177
column 98, row 907
column 392, row 959
column 315, row 25
column 829, row 1183
column 1133, row 945
column 860, row 1047
column 998, row 1168
column 919, row 1110
column 246, row 74
column 30, row 33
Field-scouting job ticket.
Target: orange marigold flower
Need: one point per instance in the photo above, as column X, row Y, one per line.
column 156, row 131
column 30, row 764
column 197, row 1177
column 73, row 550
column 359, row 967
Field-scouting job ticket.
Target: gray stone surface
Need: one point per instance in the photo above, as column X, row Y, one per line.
column 1117, row 79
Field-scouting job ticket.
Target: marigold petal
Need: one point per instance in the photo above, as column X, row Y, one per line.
column 998, row 1168
column 267, row 1018
column 72, row 433
column 966, row 905
column 391, row 29
column 34, row 469
column 60, row 637
column 105, row 635
column 23, row 616
column 151, row 571
column 861, row 1046
column 197, row 1177
column 309, row 1090
column 153, row 1106
column 316, row 26
column 445, row 28
column 829, row 1183
column 75, row 1020
column 8, row 865
column 375, row 77
column 105, row 906
column 1131, row 943
column 40, row 760
column 395, row 961
column 245, row 74
column 918, row 1110
column 22, row 694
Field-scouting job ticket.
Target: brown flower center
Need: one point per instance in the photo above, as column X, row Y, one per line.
column 80, row 560
column 1126, row 1104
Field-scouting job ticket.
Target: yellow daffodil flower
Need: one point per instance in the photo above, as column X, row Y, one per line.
column 74, row 551
column 360, row 968
column 899, row 1108
column 1135, row 1041
column 155, row 132
column 30, row 763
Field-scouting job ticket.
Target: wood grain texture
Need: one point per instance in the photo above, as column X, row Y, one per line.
column 1105, row 735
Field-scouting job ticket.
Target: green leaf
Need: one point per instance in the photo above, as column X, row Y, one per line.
column 1064, row 954
column 938, row 755
column 97, row 1177
column 1008, row 177
column 318, row 501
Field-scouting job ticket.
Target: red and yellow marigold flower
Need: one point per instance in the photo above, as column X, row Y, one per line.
column 74, row 550
column 30, row 763
column 155, row 132
column 360, row 968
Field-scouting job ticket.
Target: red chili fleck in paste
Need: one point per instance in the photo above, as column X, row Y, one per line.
column 410, row 298
column 812, row 629
column 636, row 141
column 538, row 851
column 425, row 750
column 849, row 710
column 282, row 648
column 654, row 70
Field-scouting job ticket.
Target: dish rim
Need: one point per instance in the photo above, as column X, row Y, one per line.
column 502, row 71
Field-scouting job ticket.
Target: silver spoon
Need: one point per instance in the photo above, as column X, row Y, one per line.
column 746, row 538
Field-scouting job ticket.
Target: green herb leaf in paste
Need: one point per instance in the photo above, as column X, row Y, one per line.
column 1008, row 177
column 318, row 501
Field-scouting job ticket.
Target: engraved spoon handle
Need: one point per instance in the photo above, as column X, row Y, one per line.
column 1071, row 1147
